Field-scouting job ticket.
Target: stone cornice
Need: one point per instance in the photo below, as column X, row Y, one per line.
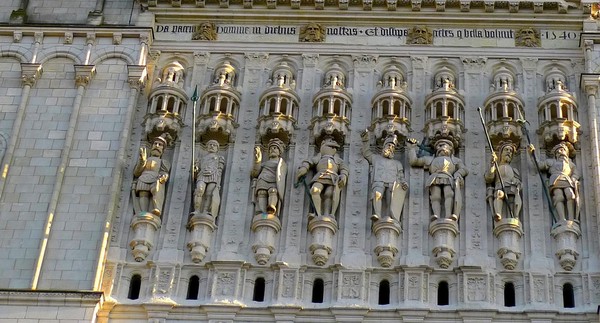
column 49, row 297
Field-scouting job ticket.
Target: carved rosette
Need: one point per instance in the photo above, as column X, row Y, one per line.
column 445, row 108
column 566, row 236
column 509, row 232
column 387, row 233
column 331, row 108
column 444, row 232
column 144, row 228
column 503, row 109
column 219, row 107
column 391, row 106
column 557, row 111
column 323, row 230
column 265, row 228
column 201, row 228
column 279, row 106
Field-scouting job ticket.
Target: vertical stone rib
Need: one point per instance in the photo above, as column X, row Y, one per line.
column 83, row 75
column 30, row 74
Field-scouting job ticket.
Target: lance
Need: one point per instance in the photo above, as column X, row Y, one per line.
column 302, row 180
column 194, row 100
column 522, row 121
column 489, row 142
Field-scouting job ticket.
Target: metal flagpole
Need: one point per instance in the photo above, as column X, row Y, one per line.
column 195, row 101
column 489, row 142
column 522, row 121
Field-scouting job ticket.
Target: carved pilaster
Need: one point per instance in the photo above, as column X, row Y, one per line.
column 30, row 73
column 83, row 74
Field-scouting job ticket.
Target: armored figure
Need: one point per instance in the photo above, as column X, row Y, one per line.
column 269, row 178
column 388, row 185
column 151, row 175
column 331, row 175
column 510, row 193
column 446, row 178
column 208, row 172
column 563, row 183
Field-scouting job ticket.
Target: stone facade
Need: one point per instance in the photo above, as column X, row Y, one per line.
column 87, row 89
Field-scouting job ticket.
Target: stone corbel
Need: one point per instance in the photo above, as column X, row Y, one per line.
column 201, row 228
column 566, row 236
column 444, row 232
column 509, row 232
column 387, row 233
column 144, row 228
column 323, row 230
column 265, row 228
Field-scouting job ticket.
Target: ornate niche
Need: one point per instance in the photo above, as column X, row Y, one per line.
column 219, row 107
column 391, row 106
column 167, row 103
column 279, row 106
column 557, row 111
column 444, row 107
column 331, row 107
column 503, row 109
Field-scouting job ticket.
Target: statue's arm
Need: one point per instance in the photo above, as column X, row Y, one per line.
column 141, row 164
column 412, row 156
column 461, row 169
column 257, row 163
column 365, row 149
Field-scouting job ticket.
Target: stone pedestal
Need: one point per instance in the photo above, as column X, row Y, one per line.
column 566, row 235
column 323, row 230
column 387, row 232
column 509, row 232
column 444, row 232
column 201, row 228
column 265, row 228
column 144, row 228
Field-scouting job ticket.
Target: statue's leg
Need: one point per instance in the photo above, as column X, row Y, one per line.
column 449, row 202
column 158, row 198
column 435, row 198
column 209, row 192
column 570, row 197
column 144, row 201
column 198, row 195
column 261, row 199
column 328, row 208
column 272, row 207
column 377, row 201
column 315, row 193
column 559, row 203
column 518, row 204
column 215, row 200
column 498, row 204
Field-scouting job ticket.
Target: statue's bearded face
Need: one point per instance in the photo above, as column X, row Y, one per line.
column 157, row 148
column 274, row 151
column 507, row 154
column 443, row 149
column 212, row 146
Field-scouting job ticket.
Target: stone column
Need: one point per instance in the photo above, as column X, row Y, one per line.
column 29, row 75
column 83, row 75
column 591, row 82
